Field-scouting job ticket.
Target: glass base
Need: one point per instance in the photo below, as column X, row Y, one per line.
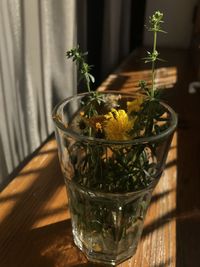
column 103, row 258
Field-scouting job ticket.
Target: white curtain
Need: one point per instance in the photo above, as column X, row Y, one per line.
column 34, row 73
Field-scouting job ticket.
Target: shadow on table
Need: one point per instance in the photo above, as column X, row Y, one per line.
column 54, row 246
column 48, row 246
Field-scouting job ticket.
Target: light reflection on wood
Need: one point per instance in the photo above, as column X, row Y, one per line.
column 165, row 78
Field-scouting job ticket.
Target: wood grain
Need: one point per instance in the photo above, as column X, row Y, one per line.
column 35, row 227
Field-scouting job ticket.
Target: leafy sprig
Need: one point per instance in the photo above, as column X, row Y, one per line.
column 151, row 111
column 92, row 102
column 83, row 68
column 155, row 22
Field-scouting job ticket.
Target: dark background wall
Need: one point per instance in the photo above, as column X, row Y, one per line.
column 95, row 17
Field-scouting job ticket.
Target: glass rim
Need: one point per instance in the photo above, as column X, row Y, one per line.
column 135, row 141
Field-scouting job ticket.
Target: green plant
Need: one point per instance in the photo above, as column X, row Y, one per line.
column 112, row 149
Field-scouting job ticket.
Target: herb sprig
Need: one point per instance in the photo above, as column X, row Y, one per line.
column 95, row 99
column 83, row 68
column 155, row 22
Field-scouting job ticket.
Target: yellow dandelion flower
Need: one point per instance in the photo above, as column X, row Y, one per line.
column 98, row 126
column 135, row 105
column 82, row 113
column 118, row 125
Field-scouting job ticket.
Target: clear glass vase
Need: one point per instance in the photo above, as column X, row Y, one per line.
column 107, row 221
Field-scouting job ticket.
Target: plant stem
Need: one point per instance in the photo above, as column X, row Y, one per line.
column 88, row 86
column 153, row 64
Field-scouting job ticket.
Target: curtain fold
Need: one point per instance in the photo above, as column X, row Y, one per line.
column 34, row 73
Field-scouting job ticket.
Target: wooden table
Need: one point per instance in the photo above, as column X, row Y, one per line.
column 35, row 229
